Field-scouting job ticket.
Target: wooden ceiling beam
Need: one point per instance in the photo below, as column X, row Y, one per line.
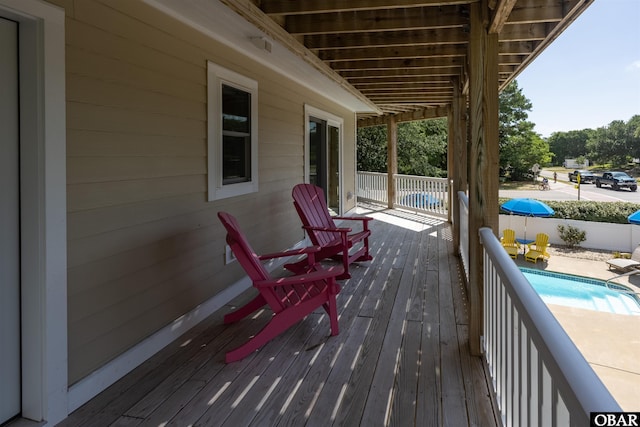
column 530, row 11
column 382, row 64
column 532, row 15
column 387, row 89
column 524, row 32
column 383, row 90
column 427, row 94
column 360, row 82
column 393, row 52
column 367, row 82
column 388, row 38
column 402, row 72
column 378, row 20
column 504, row 68
column 500, row 15
column 415, row 87
column 420, row 103
column 256, row 17
column 421, row 114
column 510, row 59
column 415, row 98
column 400, row 55
column 516, row 47
column 288, row 7
column 408, row 88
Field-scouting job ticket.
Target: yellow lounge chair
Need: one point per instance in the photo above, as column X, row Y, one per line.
column 509, row 243
column 538, row 249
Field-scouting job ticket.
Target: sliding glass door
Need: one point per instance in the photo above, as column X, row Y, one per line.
column 324, row 146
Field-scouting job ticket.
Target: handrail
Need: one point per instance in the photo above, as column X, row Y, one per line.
column 522, row 336
column 628, row 273
column 464, row 232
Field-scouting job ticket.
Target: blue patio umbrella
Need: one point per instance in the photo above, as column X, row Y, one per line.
column 527, row 207
column 634, row 218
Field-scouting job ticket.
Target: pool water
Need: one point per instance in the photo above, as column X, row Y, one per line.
column 582, row 292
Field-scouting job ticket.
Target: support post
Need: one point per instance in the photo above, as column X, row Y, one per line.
column 457, row 160
column 392, row 160
column 483, row 168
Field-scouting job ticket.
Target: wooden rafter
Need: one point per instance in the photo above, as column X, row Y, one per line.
column 500, row 15
column 402, row 55
column 288, row 7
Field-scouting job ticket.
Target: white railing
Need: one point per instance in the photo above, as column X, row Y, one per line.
column 419, row 193
column 464, row 232
column 372, row 186
column 422, row 193
column 539, row 375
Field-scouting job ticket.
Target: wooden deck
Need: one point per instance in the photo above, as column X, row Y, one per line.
column 401, row 357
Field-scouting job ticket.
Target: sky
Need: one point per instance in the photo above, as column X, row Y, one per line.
column 590, row 75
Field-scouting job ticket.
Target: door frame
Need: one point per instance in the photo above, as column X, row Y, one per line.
column 43, row 208
column 332, row 120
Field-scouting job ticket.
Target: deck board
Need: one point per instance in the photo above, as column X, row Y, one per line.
column 401, row 357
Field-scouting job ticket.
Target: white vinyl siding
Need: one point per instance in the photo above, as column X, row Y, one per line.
column 144, row 243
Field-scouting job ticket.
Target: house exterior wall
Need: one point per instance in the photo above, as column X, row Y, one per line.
column 144, row 245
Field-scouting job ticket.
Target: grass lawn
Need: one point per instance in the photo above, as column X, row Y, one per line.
column 517, row 185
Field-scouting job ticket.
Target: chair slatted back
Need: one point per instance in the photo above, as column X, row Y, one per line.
column 309, row 201
column 509, row 237
column 241, row 248
column 542, row 241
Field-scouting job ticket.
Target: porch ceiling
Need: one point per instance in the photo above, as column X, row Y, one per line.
column 402, row 55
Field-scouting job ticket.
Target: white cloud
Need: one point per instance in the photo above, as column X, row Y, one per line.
column 634, row 66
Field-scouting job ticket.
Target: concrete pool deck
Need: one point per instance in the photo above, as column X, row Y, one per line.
column 609, row 342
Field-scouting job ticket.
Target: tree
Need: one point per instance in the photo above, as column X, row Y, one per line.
column 572, row 144
column 617, row 143
column 372, row 149
column 520, row 147
column 422, row 148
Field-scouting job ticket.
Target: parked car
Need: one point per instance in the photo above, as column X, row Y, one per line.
column 586, row 176
column 617, row 180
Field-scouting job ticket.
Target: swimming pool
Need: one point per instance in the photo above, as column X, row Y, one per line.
column 582, row 292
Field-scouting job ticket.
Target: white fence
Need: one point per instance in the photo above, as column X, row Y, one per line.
column 539, row 376
column 419, row 193
column 600, row 235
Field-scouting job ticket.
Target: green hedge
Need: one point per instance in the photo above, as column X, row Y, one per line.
column 613, row 212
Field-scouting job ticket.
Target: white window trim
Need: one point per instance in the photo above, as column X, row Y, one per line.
column 332, row 120
column 216, row 76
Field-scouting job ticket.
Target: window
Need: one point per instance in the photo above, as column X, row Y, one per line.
column 232, row 133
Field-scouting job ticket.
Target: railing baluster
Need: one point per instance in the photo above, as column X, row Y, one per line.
column 431, row 194
column 539, row 375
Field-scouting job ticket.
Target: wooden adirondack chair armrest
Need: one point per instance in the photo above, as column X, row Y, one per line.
column 533, row 245
column 330, row 229
column 314, row 276
column 293, row 252
column 309, row 251
column 504, row 242
column 364, row 219
column 354, row 218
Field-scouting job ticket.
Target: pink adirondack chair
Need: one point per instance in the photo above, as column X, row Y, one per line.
column 336, row 242
column 291, row 298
